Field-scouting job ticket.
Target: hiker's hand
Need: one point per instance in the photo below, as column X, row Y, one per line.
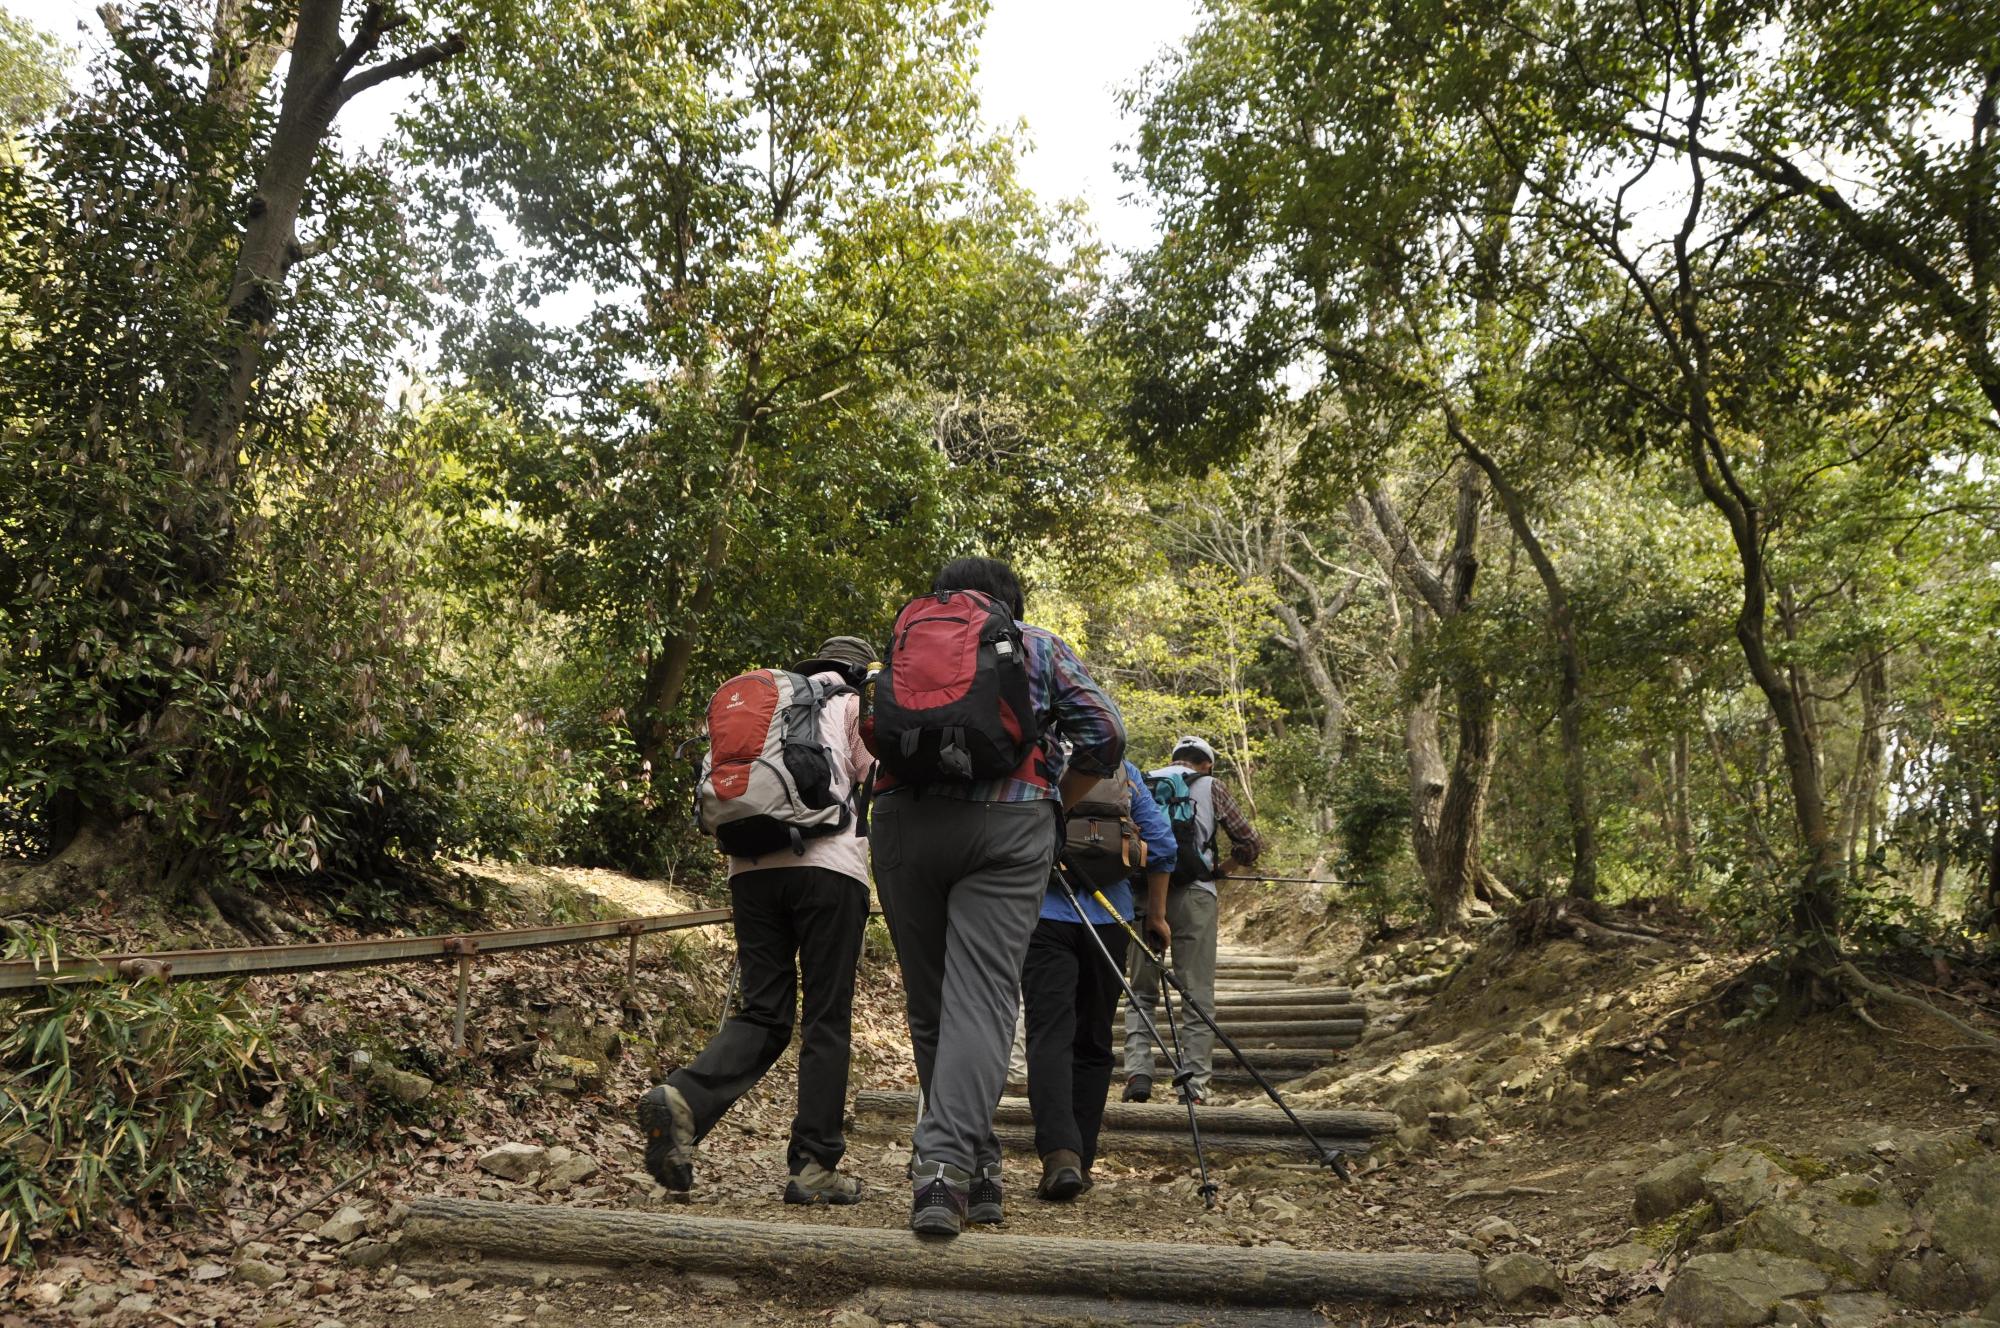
column 1160, row 934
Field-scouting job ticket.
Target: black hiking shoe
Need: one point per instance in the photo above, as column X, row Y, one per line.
column 668, row 1124
column 1139, row 1088
column 937, row 1205
column 1062, row 1177
column 983, row 1202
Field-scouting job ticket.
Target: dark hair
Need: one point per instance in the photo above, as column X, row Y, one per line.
column 988, row 575
column 1190, row 754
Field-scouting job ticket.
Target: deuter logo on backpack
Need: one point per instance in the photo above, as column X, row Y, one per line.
column 767, row 780
column 1194, row 852
column 952, row 703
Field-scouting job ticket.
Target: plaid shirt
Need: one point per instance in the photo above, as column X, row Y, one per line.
column 1244, row 842
column 1068, row 701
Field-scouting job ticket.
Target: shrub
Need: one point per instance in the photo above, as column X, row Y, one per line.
column 108, row 1094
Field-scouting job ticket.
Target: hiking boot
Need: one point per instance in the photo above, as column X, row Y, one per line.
column 937, row 1205
column 815, row 1184
column 1062, row 1177
column 1139, row 1088
column 668, row 1124
column 983, row 1201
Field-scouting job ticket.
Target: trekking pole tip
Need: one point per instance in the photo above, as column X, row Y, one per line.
column 1337, row 1161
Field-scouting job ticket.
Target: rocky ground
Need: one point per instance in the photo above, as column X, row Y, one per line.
column 1621, row 1147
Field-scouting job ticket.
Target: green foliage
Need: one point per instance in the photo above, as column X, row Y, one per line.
column 32, row 68
column 857, row 348
column 111, row 1094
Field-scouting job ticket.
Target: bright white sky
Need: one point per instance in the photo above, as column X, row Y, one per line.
column 1057, row 64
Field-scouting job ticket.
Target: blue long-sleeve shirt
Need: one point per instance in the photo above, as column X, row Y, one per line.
column 1159, row 837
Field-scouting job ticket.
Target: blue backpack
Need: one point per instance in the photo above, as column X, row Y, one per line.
column 1174, row 791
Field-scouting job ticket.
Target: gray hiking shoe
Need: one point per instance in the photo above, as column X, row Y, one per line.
column 983, row 1199
column 668, row 1124
column 815, row 1184
column 937, row 1203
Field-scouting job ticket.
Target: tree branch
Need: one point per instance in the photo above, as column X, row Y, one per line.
column 401, row 67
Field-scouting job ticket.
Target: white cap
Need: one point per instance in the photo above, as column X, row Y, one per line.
column 1199, row 744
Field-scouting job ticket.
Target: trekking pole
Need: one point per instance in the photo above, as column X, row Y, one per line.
column 1183, row 1077
column 1331, row 1158
column 1281, row 880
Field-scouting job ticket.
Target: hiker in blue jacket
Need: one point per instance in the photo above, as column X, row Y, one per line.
column 1071, row 995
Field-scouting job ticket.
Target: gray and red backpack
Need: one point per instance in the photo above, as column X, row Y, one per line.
column 768, row 779
column 952, row 703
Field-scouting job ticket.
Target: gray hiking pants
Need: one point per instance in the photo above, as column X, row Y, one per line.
column 961, row 884
column 1191, row 914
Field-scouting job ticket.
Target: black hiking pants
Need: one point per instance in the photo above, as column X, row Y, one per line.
column 1071, row 996
column 795, row 927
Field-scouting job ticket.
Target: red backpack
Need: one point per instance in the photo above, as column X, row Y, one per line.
column 952, row 703
column 768, row 780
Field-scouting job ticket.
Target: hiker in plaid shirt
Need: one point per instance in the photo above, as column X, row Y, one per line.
column 1190, row 914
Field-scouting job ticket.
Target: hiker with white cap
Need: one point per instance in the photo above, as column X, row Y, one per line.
column 1197, row 806
column 779, row 789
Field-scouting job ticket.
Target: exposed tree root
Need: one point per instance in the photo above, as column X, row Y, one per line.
column 256, row 920
column 1501, row 1192
column 1860, row 984
column 1583, row 920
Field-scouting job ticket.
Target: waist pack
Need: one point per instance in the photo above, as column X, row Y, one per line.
column 952, row 703
column 767, row 780
column 1193, row 852
column 1100, row 839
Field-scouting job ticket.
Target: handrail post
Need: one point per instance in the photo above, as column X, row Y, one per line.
column 464, row 947
column 631, row 930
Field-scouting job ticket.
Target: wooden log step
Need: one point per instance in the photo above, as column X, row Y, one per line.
column 1259, row 1013
column 1287, row 996
column 902, row 1106
column 1019, row 1141
column 614, row 1239
column 1308, row 1032
column 951, row 1309
column 1292, row 1059
column 1225, row 960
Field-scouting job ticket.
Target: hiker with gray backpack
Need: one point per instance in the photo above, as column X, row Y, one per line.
column 780, row 789
column 968, row 710
column 1197, row 805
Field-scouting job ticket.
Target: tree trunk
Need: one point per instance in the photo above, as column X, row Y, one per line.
column 1992, row 918
column 1980, row 898
column 1569, row 702
column 1941, row 863
column 1304, row 644
column 1864, row 784
column 1683, row 827
column 321, row 80
column 1815, row 906
column 667, row 672
column 1447, row 842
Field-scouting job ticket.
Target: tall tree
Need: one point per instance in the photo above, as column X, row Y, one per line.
column 783, row 240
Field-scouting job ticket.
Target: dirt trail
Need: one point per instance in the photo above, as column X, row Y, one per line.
column 1536, row 1083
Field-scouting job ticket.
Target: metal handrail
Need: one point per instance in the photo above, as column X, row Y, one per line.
column 322, row 956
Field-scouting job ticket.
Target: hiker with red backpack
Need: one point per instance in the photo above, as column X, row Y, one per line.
column 967, row 711
column 779, row 789
column 1114, row 834
column 1197, row 805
